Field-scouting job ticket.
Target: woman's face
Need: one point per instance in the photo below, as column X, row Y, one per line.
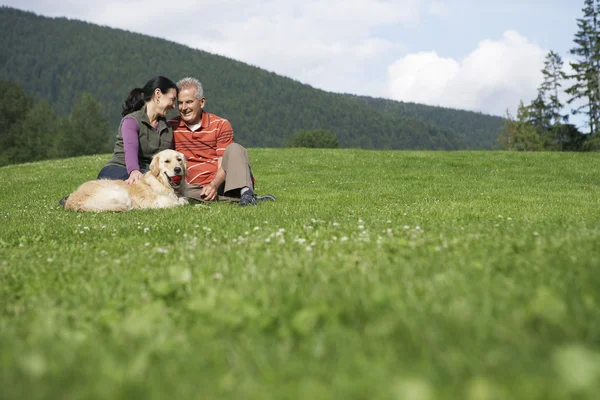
column 165, row 102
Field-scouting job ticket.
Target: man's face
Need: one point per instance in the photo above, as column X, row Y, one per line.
column 190, row 108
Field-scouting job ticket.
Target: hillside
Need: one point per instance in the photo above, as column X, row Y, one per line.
column 57, row 59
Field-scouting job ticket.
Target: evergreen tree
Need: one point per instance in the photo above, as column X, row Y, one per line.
column 520, row 134
column 14, row 106
column 587, row 67
column 550, row 88
column 539, row 112
column 88, row 131
column 35, row 133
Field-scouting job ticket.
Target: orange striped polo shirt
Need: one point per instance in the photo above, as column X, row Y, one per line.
column 203, row 146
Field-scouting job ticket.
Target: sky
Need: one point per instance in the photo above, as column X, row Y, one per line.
column 477, row 55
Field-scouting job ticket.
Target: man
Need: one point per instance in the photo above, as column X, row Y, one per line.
column 216, row 166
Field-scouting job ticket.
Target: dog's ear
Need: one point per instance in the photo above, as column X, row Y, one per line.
column 154, row 169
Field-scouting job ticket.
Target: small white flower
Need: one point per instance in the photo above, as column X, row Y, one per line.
column 162, row 251
column 344, row 239
column 536, row 234
column 178, row 231
column 256, row 228
column 406, row 227
column 146, row 244
column 50, row 260
column 308, row 248
column 146, row 230
column 217, row 276
column 361, row 227
column 268, row 239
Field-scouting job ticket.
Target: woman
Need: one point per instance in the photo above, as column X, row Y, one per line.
column 143, row 131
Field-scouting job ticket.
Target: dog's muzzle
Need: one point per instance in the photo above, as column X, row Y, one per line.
column 175, row 180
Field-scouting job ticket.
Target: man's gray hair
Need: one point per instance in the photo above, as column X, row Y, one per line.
column 190, row 82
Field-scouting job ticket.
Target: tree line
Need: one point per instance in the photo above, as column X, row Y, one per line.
column 32, row 131
column 543, row 124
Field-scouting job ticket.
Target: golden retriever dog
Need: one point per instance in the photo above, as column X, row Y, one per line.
column 162, row 186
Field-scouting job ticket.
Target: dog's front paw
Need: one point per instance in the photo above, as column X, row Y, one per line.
column 183, row 201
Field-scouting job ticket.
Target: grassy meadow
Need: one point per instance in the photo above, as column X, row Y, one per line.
column 375, row 275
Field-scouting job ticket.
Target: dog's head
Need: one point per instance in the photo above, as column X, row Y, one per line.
column 169, row 167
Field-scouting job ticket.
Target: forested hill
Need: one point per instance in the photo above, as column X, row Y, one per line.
column 58, row 59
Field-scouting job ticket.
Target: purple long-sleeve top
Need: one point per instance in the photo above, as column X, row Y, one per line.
column 130, row 133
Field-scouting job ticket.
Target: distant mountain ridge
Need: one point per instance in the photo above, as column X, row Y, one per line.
column 58, row 58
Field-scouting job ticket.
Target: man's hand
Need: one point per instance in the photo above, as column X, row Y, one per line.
column 134, row 177
column 209, row 192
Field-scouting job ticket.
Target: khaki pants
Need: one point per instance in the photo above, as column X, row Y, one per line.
column 236, row 165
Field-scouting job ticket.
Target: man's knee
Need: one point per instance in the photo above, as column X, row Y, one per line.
column 235, row 148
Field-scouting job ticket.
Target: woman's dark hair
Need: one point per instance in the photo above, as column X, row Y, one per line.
column 138, row 97
column 133, row 102
column 160, row 82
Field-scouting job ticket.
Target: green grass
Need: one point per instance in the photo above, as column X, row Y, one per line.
column 376, row 275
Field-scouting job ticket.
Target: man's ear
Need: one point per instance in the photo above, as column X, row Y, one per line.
column 203, row 102
column 154, row 169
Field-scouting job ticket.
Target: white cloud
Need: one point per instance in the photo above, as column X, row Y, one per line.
column 492, row 78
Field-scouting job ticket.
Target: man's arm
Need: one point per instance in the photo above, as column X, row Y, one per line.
column 209, row 192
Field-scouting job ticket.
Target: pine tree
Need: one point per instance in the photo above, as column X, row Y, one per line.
column 36, row 133
column 587, row 67
column 88, row 133
column 520, row 134
column 550, row 88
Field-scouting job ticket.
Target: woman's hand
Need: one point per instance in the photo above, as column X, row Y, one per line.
column 134, row 177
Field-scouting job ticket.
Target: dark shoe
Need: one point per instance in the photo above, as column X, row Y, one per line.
column 63, row 201
column 248, row 198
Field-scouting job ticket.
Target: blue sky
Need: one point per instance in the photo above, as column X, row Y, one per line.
column 478, row 55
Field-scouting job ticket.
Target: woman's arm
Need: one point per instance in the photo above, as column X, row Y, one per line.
column 130, row 134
